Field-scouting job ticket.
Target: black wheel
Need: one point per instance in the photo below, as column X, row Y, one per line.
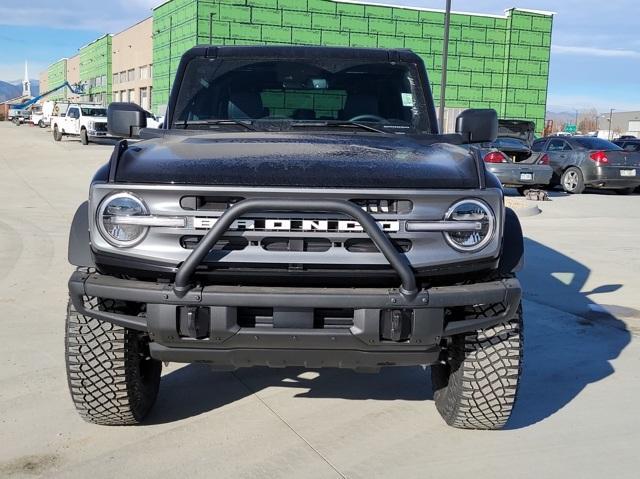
column 625, row 191
column 57, row 136
column 572, row 180
column 111, row 377
column 522, row 190
column 477, row 386
column 84, row 137
column 41, row 124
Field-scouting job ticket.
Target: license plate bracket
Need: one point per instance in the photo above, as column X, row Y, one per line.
column 526, row 176
column 628, row 172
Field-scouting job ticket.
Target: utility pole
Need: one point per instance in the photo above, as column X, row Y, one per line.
column 610, row 122
column 445, row 59
column 577, row 114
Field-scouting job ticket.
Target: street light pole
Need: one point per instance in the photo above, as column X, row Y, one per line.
column 577, row 115
column 445, row 59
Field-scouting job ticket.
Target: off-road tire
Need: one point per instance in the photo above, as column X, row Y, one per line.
column 477, row 386
column 111, row 377
column 572, row 180
column 84, row 136
column 57, row 136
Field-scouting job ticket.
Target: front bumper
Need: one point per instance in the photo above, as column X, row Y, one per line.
column 101, row 134
column 293, row 338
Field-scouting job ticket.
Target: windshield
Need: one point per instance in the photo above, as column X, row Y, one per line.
column 94, row 112
column 277, row 94
column 596, row 144
column 510, row 143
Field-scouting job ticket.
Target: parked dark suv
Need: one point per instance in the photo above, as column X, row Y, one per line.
column 299, row 209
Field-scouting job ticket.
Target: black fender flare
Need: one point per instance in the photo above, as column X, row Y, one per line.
column 512, row 258
column 79, row 252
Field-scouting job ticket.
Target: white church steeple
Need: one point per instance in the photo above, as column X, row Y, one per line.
column 26, row 84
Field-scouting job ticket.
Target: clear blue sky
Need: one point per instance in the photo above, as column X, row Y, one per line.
column 595, row 54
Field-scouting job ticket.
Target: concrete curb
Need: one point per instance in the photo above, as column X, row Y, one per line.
column 528, row 211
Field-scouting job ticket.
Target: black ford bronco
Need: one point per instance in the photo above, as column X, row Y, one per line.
column 299, row 208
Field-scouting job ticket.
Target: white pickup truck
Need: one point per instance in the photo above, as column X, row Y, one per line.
column 88, row 121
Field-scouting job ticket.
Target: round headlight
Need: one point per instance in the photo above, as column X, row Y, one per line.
column 474, row 212
column 111, row 219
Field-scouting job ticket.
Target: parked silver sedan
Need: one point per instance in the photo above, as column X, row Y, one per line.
column 582, row 161
column 511, row 159
column 534, row 172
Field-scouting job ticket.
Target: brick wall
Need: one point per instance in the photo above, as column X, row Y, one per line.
column 496, row 62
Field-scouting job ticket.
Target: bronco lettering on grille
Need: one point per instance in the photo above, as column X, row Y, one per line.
column 297, row 225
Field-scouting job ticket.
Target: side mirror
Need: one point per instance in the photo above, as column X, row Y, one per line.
column 477, row 125
column 126, row 119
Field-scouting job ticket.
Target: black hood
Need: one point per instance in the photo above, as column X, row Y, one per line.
column 521, row 129
column 297, row 160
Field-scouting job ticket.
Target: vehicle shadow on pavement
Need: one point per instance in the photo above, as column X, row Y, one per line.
column 567, row 345
column 195, row 389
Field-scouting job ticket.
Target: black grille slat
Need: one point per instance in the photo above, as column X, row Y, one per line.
column 227, row 243
column 322, row 318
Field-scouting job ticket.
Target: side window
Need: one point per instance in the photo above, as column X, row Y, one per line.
column 566, row 147
column 538, row 145
column 632, row 147
column 556, row 145
column 73, row 113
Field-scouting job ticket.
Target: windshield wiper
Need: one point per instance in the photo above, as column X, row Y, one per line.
column 333, row 123
column 226, row 121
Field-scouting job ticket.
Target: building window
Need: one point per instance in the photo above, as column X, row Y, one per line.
column 123, row 77
column 144, row 98
column 115, row 78
column 132, row 96
column 151, row 71
column 131, row 75
column 144, row 73
column 103, row 80
column 123, row 96
column 116, row 96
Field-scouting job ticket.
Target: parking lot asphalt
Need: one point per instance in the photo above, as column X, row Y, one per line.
column 577, row 414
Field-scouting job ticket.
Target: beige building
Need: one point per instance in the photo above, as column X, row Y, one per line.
column 73, row 75
column 131, row 64
column 43, row 78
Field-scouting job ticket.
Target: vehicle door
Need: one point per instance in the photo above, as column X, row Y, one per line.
column 72, row 121
column 560, row 155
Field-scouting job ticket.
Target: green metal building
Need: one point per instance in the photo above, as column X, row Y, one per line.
column 496, row 61
column 95, row 70
column 57, row 75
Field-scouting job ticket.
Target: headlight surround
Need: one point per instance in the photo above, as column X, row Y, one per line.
column 118, row 205
column 471, row 210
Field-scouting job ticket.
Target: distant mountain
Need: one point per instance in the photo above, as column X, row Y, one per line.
column 562, row 117
column 35, row 87
column 13, row 89
column 8, row 91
